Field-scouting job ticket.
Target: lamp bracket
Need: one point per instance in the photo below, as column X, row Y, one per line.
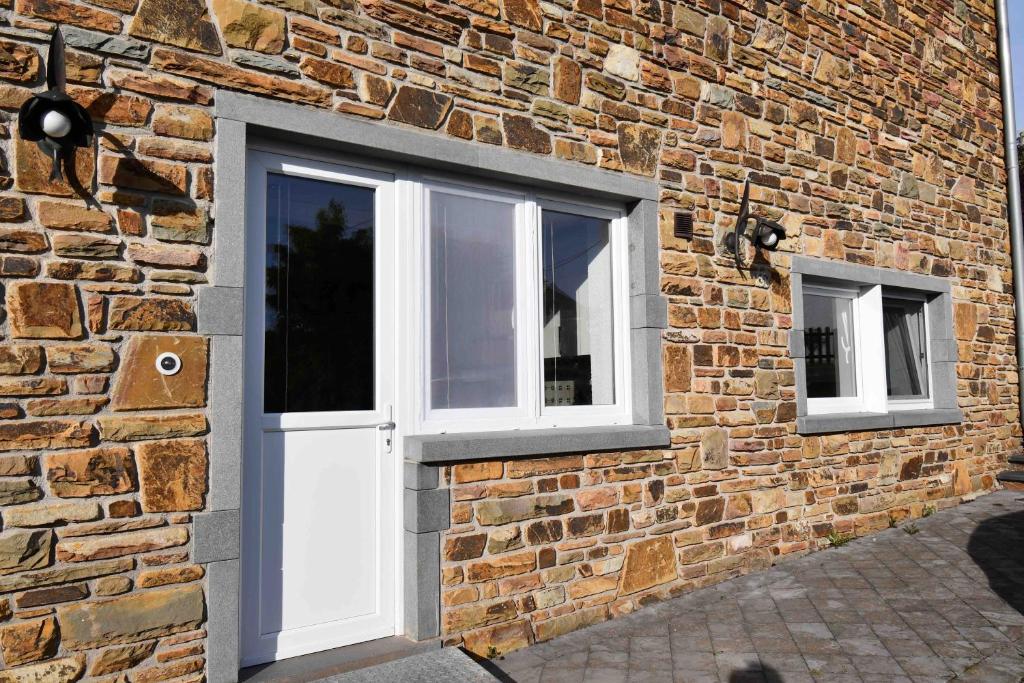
column 55, row 99
column 743, row 218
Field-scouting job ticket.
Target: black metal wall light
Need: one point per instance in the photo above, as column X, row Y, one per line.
column 53, row 120
column 766, row 234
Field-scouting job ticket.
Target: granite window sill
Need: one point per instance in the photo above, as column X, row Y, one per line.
column 520, row 443
column 860, row 422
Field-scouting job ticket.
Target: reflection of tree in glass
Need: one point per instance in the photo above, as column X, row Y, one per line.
column 319, row 323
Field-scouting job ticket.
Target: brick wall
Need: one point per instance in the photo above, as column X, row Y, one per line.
column 872, row 130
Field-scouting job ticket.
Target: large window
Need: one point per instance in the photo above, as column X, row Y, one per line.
column 524, row 313
column 865, row 349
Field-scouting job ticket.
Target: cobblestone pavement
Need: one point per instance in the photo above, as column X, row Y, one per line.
column 944, row 602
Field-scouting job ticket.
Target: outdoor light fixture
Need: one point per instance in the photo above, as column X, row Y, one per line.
column 766, row 233
column 53, row 120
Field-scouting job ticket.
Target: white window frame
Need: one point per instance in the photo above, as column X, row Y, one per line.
column 869, row 351
column 530, row 412
column 843, row 404
column 484, row 415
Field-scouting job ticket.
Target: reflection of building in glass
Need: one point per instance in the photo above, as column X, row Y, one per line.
column 819, row 343
column 577, row 335
column 567, row 370
column 829, row 344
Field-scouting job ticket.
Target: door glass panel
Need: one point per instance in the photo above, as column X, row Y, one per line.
column 319, row 324
column 472, row 302
column 829, row 346
column 906, row 373
column 577, row 317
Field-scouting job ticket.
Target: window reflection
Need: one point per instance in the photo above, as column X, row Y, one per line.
column 577, row 319
column 319, row 322
column 906, row 371
column 829, row 346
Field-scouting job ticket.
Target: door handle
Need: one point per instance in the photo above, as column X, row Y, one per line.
column 389, row 438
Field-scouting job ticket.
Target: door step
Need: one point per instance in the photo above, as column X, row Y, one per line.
column 320, row 665
column 447, row 665
column 1013, row 480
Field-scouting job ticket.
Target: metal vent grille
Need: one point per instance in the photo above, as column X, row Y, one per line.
column 684, row 225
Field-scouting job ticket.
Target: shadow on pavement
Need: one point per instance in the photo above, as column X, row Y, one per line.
column 997, row 547
column 756, row 673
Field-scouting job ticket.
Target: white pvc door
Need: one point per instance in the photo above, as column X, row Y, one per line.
column 319, row 508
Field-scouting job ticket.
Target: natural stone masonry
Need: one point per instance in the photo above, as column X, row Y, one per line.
column 871, row 130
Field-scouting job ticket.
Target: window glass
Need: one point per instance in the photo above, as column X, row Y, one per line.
column 472, row 302
column 829, row 346
column 319, row 324
column 905, row 348
column 577, row 310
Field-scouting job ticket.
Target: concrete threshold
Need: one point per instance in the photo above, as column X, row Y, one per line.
column 320, row 665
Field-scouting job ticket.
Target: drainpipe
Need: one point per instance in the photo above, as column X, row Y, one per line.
column 1013, row 208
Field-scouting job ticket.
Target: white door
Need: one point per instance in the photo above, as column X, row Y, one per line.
column 319, row 507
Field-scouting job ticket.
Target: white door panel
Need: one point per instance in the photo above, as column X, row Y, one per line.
column 306, row 554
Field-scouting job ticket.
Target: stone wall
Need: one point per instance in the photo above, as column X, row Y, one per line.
column 871, row 129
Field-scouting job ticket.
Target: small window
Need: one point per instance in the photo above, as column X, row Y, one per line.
column 865, row 349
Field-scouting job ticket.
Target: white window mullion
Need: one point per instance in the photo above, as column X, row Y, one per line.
column 529, row 309
column 621, row 318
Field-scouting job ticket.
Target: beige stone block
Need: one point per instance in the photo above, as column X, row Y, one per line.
column 119, row 545
column 20, row 359
column 163, row 577
column 497, row 512
column 476, row 471
column 51, row 512
column 138, row 384
column 78, row 358
column 29, row 641
column 15, row 491
column 542, row 467
column 98, row 471
column 32, row 171
column 132, row 618
column 172, row 475
column 509, row 565
column 649, row 562
column 65, row 670
column 121, row 658
column 43, row 310
column 477, row 615
column 157, row 426
column 68, row 216
column 36, row 579
column 250, row 26
column 24, row 550
column 495, row 641
column 566, row 623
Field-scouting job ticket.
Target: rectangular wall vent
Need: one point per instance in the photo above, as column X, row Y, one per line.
column 684, row 225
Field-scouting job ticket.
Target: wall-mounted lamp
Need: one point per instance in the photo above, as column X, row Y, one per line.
column 53, row 120
column 766, row 233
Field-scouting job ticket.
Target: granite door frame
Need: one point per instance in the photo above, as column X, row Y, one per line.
column 241, row 121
